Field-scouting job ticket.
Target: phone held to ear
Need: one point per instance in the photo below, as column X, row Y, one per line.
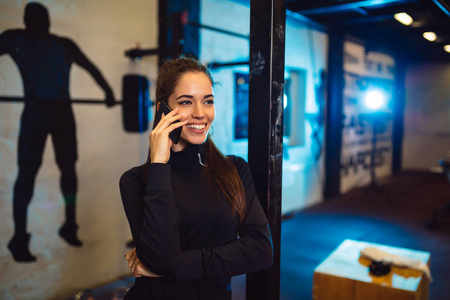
column 174, row 135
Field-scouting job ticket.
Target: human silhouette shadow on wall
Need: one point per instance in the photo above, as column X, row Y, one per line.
column 44, row 62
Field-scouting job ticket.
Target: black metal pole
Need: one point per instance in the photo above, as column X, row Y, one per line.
column 163, row 29
column 373, row 154
column 265, row 142
column 177, row 39
column 334, row 115
column 398, row 114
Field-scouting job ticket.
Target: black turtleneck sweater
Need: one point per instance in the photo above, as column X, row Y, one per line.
column 191, row 238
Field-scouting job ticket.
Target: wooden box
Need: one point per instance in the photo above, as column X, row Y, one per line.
column 344, row 275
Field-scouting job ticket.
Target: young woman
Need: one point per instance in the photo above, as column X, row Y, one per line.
column 194, row 215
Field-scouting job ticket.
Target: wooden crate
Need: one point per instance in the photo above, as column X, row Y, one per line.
column 344, row 275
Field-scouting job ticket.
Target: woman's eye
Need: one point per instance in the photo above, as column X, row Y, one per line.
column 186, row 102
column 210, row 102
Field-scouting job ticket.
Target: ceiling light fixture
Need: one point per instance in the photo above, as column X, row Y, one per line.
column 403, row 18
column 447, row 48
column 431, row 36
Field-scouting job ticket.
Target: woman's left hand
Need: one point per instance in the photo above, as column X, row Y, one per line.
column 137, row 267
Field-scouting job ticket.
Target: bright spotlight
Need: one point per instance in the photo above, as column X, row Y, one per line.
column 447, row 48
column 431, row 36
column 403, row 18
column 374, row 99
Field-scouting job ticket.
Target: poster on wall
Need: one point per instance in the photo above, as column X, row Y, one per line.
column 367, row 112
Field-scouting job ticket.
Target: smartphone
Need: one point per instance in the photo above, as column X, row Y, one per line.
column 174, row 135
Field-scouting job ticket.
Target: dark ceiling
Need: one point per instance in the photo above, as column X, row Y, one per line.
column 372, row 21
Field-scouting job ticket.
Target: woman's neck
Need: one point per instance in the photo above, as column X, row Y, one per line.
column 180, row 146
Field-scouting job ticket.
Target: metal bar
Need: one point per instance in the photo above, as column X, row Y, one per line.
column 361, row 11
column 362, row 20
column 80, row 101
column 11, row 99
column 334, row 115
column 224, row 31
column 308, row 21
column 216, row 65
column 265, row 142
column 138, row 53
column 443, row 6
column 349, row 6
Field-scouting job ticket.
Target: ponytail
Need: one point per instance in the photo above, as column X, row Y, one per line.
column 221, row 176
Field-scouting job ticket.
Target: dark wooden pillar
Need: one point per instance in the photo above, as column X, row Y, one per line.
column 265, row 142
column 334, row 115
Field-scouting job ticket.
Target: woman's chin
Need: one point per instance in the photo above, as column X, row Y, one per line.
column 198, row 140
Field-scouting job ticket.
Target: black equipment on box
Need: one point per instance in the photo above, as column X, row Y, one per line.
column 379, row 268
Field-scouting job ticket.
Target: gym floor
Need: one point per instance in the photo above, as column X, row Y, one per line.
column 396, row 218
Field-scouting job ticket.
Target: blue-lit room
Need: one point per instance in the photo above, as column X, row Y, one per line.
column 321, row 127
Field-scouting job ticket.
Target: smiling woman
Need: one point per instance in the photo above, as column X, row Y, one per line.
column 194, row 98
column 194, row 215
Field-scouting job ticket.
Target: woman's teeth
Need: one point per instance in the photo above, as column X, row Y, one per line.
column 197, row 127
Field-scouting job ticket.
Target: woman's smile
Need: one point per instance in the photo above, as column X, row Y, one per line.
column 196, row 127
column 194, row 97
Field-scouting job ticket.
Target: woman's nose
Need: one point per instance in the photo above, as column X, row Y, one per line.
column 198, row 112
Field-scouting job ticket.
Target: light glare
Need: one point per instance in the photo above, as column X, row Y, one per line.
column 403, row 18
column 374, row 99
column 447, row 48
column 431, row 36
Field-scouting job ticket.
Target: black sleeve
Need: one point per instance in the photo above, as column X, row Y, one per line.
column 155, row 227
column 251, row 252
column 158, row 245
column 132, row 187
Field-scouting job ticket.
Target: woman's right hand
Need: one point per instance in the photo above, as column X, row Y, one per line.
column 160, row 143
column 137, row 268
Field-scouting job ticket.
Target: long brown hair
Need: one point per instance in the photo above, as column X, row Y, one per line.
column 220, row 174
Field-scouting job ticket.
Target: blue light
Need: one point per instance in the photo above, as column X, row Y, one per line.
column 375, row 99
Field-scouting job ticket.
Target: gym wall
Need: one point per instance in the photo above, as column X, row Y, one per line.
column 365, row 71
column 427, row 116
column 103, row 30
column 306, row 57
